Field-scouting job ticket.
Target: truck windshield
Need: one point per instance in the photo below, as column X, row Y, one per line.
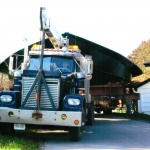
column 54, row 63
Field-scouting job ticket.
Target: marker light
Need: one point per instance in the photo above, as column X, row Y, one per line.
column 80, row 92
column 10, row 114
column 73, row 47
column 76, row 122
column 36, row 47
column 63, row 117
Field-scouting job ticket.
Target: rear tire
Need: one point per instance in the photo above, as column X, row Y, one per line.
column 75, row 133
column 107, row 111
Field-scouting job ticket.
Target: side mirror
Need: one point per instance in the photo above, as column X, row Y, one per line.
column 89, row 66
column 11, row 61
column 11, row 70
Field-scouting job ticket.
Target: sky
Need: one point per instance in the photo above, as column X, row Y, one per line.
column 120, row 25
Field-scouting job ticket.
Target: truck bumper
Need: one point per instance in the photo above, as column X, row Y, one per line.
column 57, row 118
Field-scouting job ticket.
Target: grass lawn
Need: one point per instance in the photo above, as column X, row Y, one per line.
column 20, row 141
column 140, row 116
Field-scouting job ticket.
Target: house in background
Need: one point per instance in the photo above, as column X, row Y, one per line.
column 144, row 102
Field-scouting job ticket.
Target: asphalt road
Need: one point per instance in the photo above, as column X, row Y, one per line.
column 109, row 132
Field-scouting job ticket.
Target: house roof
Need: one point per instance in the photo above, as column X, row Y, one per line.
column 141, row 83
column 147, row 64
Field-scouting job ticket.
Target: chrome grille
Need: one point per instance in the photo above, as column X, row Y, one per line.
column 54, row 87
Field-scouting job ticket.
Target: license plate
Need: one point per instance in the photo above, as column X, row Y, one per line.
column 19, row 126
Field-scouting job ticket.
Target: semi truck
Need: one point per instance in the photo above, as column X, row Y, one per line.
column 51, row 87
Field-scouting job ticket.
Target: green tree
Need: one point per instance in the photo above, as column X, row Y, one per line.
column 139, row 56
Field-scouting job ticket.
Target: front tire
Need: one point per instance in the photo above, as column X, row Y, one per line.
column 75, row 133
column 7, row 129
column 90, row 115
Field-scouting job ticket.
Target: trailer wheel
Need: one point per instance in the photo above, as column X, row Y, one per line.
column 75, row 133
column 7, row 129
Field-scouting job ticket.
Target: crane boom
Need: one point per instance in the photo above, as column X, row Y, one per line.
column 56, row 39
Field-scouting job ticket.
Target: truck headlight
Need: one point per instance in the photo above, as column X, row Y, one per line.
column 6, row 98
column 73, row 101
